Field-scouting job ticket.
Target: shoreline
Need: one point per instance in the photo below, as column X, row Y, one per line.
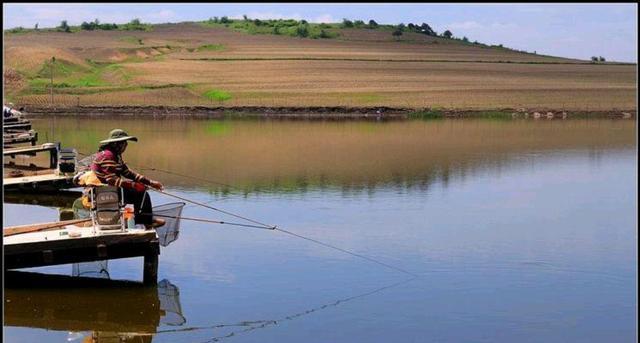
column 325, row 112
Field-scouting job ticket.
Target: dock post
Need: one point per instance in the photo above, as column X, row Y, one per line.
column 150, row 274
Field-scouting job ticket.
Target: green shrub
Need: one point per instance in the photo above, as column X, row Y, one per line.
column 210, row 47
column 302, row 31
column 218, row 95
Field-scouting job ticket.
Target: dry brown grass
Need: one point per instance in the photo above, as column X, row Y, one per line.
column 267, row 82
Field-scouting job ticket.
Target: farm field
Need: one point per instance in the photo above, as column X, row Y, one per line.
column 190, row 64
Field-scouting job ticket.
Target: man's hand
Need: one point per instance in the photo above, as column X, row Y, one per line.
column 156, row 184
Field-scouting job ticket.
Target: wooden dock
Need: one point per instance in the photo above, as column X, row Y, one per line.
column 17, row 125
column 47, row 182
column 73, row 244
column 33, row 178
column 20, row 136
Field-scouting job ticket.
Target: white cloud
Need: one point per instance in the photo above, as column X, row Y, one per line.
column 466, row 25
column 325, row 18
column 163, row 15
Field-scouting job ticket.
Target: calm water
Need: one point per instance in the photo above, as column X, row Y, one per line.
column 518, row 231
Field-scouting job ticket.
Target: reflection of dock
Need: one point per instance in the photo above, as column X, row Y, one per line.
column 79, row 304
column 62, row 199
column 125, row 310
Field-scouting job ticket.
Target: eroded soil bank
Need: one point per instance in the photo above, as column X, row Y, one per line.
column 327, row 113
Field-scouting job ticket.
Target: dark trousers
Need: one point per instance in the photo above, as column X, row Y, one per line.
column 141, row 204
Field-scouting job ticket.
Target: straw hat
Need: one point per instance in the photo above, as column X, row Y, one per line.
column 117, row 135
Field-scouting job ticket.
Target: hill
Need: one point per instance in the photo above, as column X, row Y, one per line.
column 206, row 64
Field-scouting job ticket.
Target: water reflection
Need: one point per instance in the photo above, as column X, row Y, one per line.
column 517, row 229
column 297, row 157
column 62, row 201
column 94, row 310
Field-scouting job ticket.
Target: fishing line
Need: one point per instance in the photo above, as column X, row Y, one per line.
column 345, row 251
column 255, row 324
column 275, row 228
column 141, row 167
column 265, row 226
column 208, row 221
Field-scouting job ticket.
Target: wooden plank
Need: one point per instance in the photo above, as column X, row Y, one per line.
column 36, row 148
column 14, row 230
column 49, row 184
column 35, row 178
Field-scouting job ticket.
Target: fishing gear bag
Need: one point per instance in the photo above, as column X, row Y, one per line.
column 106, row 207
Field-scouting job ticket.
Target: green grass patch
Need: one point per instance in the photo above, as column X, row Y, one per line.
column 70, row 75
column 210, row 47
column 217, row 95
column 18, row 30
column 59, row 68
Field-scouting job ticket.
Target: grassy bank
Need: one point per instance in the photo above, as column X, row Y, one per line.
column 245, row 63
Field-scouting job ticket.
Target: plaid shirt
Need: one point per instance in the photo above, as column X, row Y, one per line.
column 110, row 169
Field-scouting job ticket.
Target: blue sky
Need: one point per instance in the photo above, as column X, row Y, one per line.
column 568, row 30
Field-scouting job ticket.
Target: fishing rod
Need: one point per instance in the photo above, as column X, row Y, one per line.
column 275, row 228
column 142, row 167
column 263, row 225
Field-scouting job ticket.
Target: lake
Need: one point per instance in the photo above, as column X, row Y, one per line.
column 516, row 230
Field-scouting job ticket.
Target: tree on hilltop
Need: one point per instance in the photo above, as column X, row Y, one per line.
column 397, row 33
column 372, row 24
column 427, row 30
column 447, row 34
column 64, row 26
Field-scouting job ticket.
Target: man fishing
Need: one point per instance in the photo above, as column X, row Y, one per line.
column 110, row 168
